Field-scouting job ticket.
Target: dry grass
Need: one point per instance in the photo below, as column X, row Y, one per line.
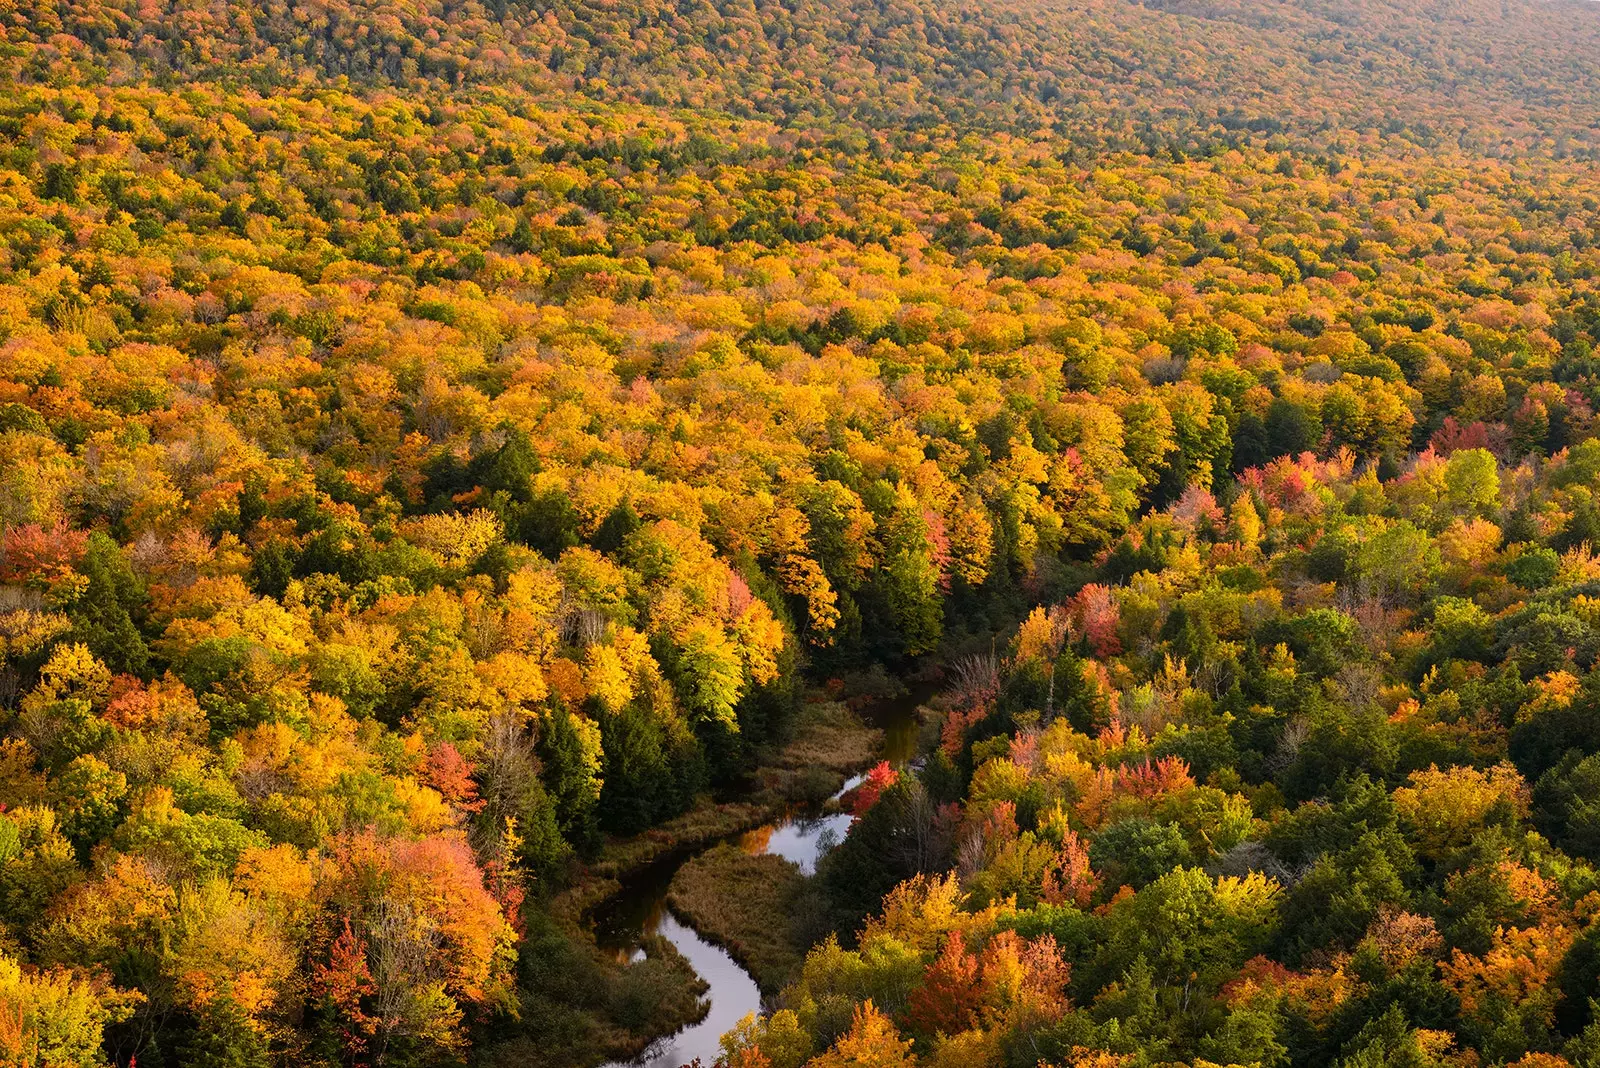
column 831, row 742
column 744, row 903
column 702, row 825
column 831, row 736
column 606, row 1010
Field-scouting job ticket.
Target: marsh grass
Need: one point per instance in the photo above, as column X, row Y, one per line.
column 747, row 905
column 579, row 1006
column 830, row 736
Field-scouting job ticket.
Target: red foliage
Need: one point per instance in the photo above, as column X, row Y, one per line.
column 1045, row 975
column 31, row 551
column 505, row 885
column 938, row 547
column 871, row 787
column 948, row 999
column 165, row 705
column 953, row 732
column 739, row 595
column 1452, row 436
column 1258, row 973
column 450, row 773
column 1286, row 483
column 1025, row 749
column 1095, row 615
column 438, row 880
column 1000, row 822
column 1197, row 509
column 1069, row 880
column 344, row 981
column 1148, row 780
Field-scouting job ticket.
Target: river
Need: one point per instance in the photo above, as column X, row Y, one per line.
column 802, row 837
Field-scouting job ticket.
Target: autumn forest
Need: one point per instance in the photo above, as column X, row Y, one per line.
column 778, row 533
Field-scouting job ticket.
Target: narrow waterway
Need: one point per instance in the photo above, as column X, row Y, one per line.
column 733, row 996
column 802, row 837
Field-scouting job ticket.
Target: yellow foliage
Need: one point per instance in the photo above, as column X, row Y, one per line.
column 606, row 677
column 456, row 540
column 1446, row 807
column 969, row 1049
column 920, row 912
column 871, row 1042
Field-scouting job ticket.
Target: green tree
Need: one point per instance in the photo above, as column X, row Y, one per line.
column 104, row 615
column 1472, row 482
column 570, row 750
column 225, row 1037
column 89, row 800
column 1137, row 851
column 1338, row 898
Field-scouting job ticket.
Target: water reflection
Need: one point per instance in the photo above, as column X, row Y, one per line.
column 635, row 912
column 802, row 837
column 733, row 996
column 640, row 910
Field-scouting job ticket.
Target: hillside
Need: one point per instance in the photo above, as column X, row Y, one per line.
column 1480, row 74
column 445, row 449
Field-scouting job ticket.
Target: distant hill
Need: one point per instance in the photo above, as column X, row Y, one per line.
column 1480, row 74
column 457, row 459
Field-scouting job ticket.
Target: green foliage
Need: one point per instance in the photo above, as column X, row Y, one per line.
column 90, row 800
column 572, row 776
column 435, row 438
column 224, row 1037
column 1341, row 894
column 1247, row 1036
column 1567, row 804
column 104, row 616
column 1187, row 929
column 1137, row 851
column 1534, row 568
column 1385, row 1042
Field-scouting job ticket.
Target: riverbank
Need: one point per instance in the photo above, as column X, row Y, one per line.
column 753, row 906
column 831, row 742
column 584, row 1003
column 707, row 823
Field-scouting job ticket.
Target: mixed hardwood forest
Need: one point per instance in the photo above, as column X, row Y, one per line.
column 452, row 453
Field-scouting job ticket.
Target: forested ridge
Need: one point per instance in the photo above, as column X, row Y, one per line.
column 448, row 450
column 1487, row 75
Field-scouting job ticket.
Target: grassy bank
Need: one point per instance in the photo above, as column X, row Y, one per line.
column 752, row 906
column 706, row 823
column 577, row 1006
column 830, row 743
column 580, row 1006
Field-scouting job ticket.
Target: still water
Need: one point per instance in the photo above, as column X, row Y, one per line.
column 640, row 908
column 801, row 838
column 733, row 996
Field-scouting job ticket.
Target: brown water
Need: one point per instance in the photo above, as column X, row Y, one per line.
column 803, row 837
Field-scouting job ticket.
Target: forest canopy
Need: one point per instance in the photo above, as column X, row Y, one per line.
column 442, row 443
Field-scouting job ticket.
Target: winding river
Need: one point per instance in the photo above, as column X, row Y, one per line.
column 802, row 837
